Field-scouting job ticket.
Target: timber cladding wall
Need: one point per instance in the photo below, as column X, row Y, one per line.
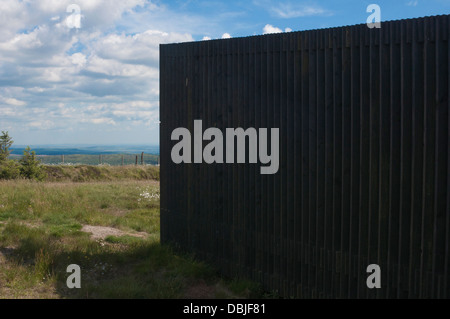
column 363, row 118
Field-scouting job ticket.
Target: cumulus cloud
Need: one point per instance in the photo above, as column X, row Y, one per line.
column 226, row 36
column 142, row 48
column 53, row 77
column 268, row 28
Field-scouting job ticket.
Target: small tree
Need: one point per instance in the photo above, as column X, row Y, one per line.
column 5, row 143
column 9, row 169
column 30, row 167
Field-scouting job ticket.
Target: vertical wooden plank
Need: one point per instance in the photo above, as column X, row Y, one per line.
column 298, row 162
column 354, row 162
column 203, row 112
column 217, row 70
column 233, row 168
column 229, row 169
column 417, row 158
column 374, row 152
column 364, row 162
column 305, row 161
column 212, row 169
column 265, row 71
column 166, row 161
column 166, row 123
column 441, row 158
column 447, row 227
column 195, row 173
column 321, row 167
column 384, row 153
column 245, row 106
column 253, row 169
column 395, row 160
column 166, row 158
column 290, row 164
column 258, row 219
column 406, row 167
column 162, row 140
column 346, row 161
column 274, row 188
column 337, row 194
column 429, row 157
column 329, row 173
column 385, row 126
column 312, row 159
column 282, row 172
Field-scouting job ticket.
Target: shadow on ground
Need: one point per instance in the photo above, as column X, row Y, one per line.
column 123, row 268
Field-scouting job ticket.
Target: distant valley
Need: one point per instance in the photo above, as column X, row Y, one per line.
column 87, row 149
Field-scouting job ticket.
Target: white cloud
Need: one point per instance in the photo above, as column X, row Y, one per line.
column 36, row 90
column 102, row 120
column 205, row 38
column 78, row 59
column 8, row 112
column 53, row 77
column 16, row 16
column 141, row 48
column 107, row 72
column 413, row 3
column 43, row 125
column 114, row 68
column 103, row 75
column 13, row 101
column 291, row 9
column 268, row 29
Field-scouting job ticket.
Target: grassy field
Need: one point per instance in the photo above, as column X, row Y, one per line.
column 108, row 226
column 87, row 173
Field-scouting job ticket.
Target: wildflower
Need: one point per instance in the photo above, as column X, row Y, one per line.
column 146, row 195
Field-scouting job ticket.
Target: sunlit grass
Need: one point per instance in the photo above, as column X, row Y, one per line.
column 41, row 234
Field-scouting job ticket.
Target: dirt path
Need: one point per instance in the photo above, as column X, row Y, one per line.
column 101, row 232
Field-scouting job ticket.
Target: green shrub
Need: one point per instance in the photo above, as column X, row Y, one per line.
column 30, row 167
column 9, row 169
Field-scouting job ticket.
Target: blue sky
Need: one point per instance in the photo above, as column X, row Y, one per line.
column 97, row 82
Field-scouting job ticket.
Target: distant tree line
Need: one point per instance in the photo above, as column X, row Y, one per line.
column 28, row 166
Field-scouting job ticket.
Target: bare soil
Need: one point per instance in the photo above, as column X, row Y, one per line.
column 101, row 232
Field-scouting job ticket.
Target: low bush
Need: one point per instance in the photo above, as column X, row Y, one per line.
column 9, row 169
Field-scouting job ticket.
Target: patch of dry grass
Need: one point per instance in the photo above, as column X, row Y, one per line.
column 86, row 173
